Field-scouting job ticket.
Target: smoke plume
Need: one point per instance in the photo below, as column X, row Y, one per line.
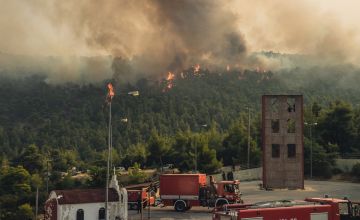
column 156, row 36
column 88, row 40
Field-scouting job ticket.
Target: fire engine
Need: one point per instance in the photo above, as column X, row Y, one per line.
column 143, row 191
column 186, row 190
column 309, row 209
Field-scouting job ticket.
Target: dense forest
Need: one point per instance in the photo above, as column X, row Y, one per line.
column 51, row 128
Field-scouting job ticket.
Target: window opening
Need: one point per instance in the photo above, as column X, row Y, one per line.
column 291, row 150
column 275, row 150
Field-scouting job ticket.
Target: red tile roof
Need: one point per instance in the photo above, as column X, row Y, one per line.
column 77, row 196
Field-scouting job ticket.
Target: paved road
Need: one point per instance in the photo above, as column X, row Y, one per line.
column 312, row 189
column 252, row 193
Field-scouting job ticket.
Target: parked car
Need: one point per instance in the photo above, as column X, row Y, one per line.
column 132, row 169
column 121, row 169
column 168, row 167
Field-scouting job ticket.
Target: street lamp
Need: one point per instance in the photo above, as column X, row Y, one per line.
column 249, row 139
column 134, row 93
column 311, row 148
column 109, row 98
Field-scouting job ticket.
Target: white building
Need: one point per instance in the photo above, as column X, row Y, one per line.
column 89, row 204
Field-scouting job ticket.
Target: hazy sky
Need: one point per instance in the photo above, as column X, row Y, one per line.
column 305, row 26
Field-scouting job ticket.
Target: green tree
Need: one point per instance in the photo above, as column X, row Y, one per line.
column 59, row 162
column 66, row 183
column 31, row 159
column 182, row 153
column 336, row 127
column 24, row 212
column 158, row 147
column 235, row 145
column 136, row 153
column 207, row 159
column 316, row 109
column 323, row 162
column 15, row 180
column 97, row 177
column 15, row 189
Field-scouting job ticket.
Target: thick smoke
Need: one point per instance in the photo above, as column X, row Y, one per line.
column 327, row 32
column 156, row 36
column 88, row 40
column 151, row 36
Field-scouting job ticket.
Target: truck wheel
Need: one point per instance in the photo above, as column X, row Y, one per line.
column 180, row 206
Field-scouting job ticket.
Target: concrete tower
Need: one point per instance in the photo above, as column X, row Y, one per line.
column 282, row 141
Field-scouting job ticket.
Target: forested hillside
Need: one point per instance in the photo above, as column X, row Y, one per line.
column 74, row 117
column 59, row 126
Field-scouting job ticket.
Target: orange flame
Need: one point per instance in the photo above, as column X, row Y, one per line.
column 170, row 78
column 196, row 68
column 111, row 92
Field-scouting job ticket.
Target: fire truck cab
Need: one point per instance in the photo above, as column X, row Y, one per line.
column 346, row 209
column 220, row 193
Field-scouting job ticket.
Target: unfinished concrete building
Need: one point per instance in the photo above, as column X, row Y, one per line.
column 282, row 141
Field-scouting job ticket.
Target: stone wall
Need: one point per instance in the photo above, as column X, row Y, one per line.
column 346, row 165
column 243, row 175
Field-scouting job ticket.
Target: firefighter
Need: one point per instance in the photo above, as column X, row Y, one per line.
column 230, row 175
column 223, row 175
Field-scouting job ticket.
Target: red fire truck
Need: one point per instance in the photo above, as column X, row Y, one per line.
column 139, row 190
column 133, row 197
column 309, row 209
column 186, row 190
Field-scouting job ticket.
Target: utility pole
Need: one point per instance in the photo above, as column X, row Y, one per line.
column 311, row 147
column 311, row 155
column 47, row 175
column 111, row 158
column 142, row 210
column 195, row 157
column 109, row 98
column 249, row 137
column 37, row 202
column 108, row 166
column 203, row 126
column 148, row 201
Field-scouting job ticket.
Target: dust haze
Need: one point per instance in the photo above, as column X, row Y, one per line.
column 89, row 41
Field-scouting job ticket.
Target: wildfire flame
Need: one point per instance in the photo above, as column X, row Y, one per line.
column 170, row 76
column 196, row 68
column 111, row 93
column 169, row 80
